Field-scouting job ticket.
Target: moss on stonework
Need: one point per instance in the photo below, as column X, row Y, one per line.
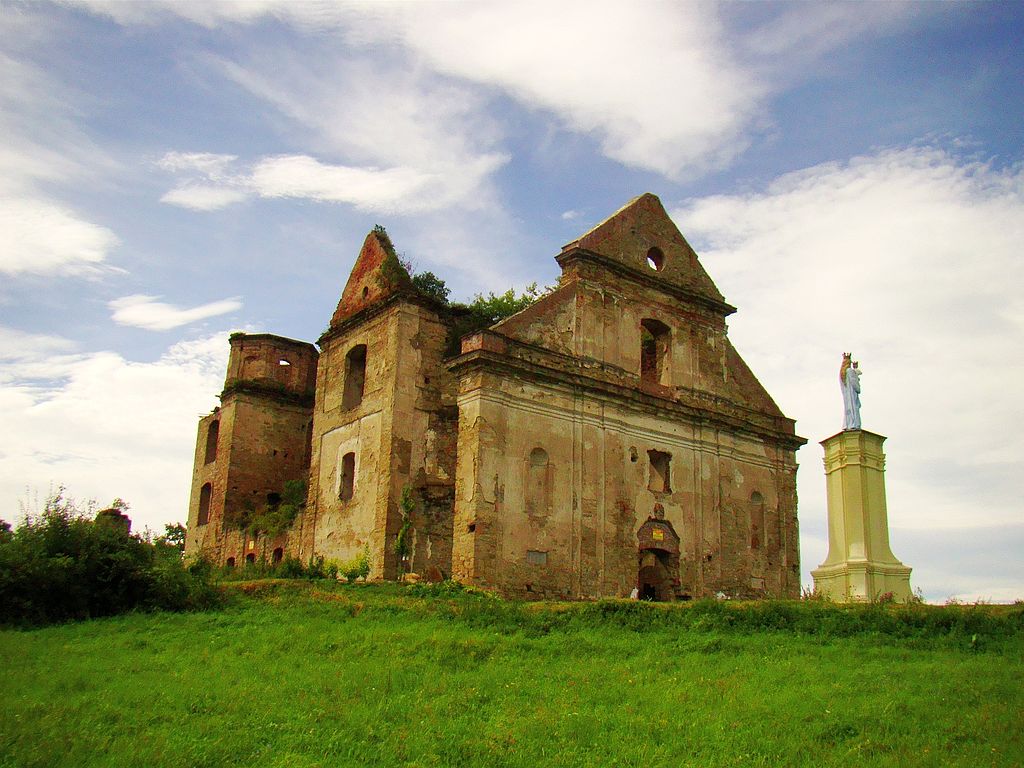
column 393, row 273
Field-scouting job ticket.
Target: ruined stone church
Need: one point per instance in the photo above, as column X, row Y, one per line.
column 607, row 438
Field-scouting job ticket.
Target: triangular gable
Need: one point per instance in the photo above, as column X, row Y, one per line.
column 376, row 275
column 640, row 230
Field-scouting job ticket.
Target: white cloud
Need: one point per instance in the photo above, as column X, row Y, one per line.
column 38, row 236
column 654, row 83
column 302, row 176
column 204, row 197
column 909, row 259
column 214, row 167
column 105, row 426
column 22, row 352
column 143, row 311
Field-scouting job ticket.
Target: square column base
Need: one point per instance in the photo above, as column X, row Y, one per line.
column 863, row 581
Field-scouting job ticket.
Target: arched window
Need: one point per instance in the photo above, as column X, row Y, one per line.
column 250, row 559
column 230, row 562
column 655, row 340
column 538, row 483
column 278, row 556
column 204, row 504
column 347, row 478
column 355, row 376
column 212, row 436
column 756, row 520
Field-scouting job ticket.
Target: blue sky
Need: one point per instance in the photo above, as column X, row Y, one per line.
column 851, row 174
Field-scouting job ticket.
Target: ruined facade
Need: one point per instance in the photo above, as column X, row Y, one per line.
column 606, row 438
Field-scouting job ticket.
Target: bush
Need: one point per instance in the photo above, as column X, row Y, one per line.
column 61, row 565
column 356, row 567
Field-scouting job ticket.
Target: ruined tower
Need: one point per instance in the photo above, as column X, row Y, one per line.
column 383, row 422
column 249, row 447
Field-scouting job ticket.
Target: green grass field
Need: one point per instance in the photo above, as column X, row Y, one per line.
column 296, row 674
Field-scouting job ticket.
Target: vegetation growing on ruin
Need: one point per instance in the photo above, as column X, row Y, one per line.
column 484, row 311
column 61, row 564
column 393, row 273
column 431, row 285
column 437, row 675
column 406, row 506
column 464, row 317
column 275, row 516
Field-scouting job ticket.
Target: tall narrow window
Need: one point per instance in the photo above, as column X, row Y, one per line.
column 355, row 376
column 655, row 338
column 346, row 482
column 660, row 480
column 212, row 436
column 278, row 556
column 204, row 504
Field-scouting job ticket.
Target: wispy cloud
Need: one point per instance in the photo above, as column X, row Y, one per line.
column 672, row 88
column 39, row 234
column 655, row 84
column 141, row 311
column 212, row 166
column 391, row 140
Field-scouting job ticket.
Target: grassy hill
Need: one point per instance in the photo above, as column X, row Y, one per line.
column 324, row 674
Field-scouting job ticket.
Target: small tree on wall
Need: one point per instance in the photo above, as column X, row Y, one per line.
column 403, row 540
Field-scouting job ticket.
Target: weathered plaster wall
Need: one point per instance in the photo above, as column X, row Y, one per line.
column 598, row 478
column 401, row 433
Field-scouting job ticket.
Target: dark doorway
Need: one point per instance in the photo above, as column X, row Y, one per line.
column 657, row 560
column 654, row 579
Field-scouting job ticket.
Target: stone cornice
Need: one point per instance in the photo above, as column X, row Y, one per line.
column 267, row 390
column 490, row 351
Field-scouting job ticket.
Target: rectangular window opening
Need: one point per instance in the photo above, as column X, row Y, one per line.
column 346, row 482
column 355, row 377
column 660, row 479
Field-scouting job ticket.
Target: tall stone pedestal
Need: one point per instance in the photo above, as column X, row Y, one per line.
column 859, row 566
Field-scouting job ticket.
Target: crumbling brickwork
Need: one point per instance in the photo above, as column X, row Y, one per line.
column 605, row 439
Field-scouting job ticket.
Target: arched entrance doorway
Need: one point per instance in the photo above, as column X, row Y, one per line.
column 657, row 561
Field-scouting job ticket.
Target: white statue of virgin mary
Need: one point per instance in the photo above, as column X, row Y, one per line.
column 849, row 382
